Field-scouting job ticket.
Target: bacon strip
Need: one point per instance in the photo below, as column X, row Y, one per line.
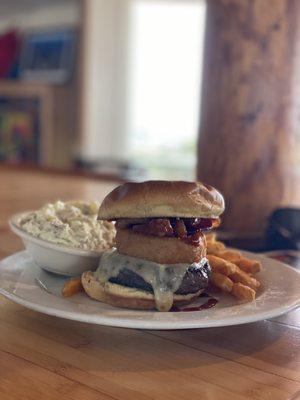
column 157, row 227
column 187, row 229
column 180, row 229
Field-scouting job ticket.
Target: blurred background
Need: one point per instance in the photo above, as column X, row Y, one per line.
column 121, row 78
column 158, row 89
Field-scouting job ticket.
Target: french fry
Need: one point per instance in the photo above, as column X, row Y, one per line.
column 221, row 281
column 210, row 237
column 243, row 292
column 222, row 266
column 231, row 271
column 230, row 255
column 72, row 287
column 249, row 266
column 245, row 279
column 214, row 247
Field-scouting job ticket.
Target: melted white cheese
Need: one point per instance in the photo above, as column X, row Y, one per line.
column 165, row 279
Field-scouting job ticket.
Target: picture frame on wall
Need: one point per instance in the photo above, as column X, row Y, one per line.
column 19, row 130
column 48, row 56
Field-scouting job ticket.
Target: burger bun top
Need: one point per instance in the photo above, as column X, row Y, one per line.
column 152, row 199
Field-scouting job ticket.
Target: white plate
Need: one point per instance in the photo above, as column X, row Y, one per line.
column 25, row 283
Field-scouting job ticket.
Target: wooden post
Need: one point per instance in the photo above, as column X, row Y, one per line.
column 249, row 145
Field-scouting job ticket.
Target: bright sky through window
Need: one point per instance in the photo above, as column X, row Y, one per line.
column 165, row 77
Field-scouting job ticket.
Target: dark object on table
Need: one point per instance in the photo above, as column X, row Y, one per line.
column 283, row 231
column 48, row 56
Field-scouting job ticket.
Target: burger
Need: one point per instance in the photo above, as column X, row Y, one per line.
column 160, row 256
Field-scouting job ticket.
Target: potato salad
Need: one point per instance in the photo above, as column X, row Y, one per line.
column 72, row 224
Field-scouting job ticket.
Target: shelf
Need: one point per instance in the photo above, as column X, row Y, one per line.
column 10, row 87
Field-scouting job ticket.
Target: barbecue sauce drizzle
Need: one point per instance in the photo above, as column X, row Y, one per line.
column 187, row 229
column 211, row 302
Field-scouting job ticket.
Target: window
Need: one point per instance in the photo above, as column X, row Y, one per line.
column 142, row 67
column 165, row 72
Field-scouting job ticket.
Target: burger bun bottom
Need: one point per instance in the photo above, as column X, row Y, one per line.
column 126, row 297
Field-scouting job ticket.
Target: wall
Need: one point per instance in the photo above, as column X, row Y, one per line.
column 103, row 79
column 32, row 15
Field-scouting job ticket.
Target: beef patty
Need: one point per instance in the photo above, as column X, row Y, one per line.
column 193, row 280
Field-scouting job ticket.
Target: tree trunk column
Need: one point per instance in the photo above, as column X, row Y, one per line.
column 249, row 146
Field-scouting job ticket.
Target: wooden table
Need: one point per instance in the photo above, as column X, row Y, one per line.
column 43, row 357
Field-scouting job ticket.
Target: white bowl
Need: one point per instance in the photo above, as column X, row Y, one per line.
column 53, row 257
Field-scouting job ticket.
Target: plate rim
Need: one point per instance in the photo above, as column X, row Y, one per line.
column 149, row 324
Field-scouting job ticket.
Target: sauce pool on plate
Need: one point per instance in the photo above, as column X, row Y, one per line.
column 211, row 302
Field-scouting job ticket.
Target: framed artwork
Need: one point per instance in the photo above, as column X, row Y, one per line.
column 19, row 130
column 48, row 56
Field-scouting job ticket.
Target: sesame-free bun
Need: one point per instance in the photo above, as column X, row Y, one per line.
column 126, row 297
column 162, row 199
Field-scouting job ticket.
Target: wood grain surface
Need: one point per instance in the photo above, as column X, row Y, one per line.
column 43, row 357
column 249, row 142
